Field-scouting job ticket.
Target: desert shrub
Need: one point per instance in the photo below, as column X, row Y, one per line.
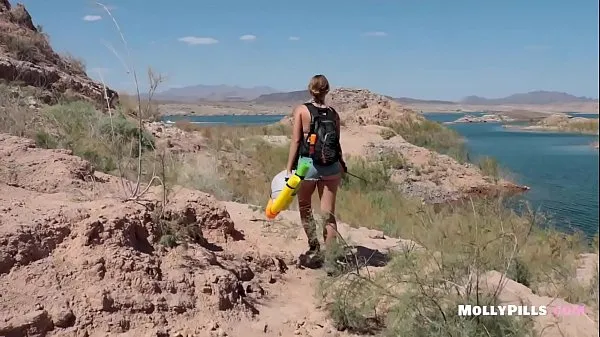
column 14, row 113
column 77, row 63
column 126, row 129
column 489, row 167
column 129, row 106
column 418, row 291
column 246, row 162
column 431, row 135
column 31, row 48
column 89, row 133
column 201, row 173
column 45, row 140
column 583, row 126
column 387, row 134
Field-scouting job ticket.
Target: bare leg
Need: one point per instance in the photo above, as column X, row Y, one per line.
column 307, row 188
column 328, row 187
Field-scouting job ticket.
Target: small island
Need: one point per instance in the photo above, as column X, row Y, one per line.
column 487, row 118
column 562, row 123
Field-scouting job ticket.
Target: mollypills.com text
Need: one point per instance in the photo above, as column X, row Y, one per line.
column 520, row 310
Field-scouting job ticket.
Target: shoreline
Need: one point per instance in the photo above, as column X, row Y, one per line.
column 223, row 115
column 278, row 108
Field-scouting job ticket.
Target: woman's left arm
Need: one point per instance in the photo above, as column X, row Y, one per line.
column 296, row 139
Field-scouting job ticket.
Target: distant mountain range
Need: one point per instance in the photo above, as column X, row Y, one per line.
column 531, row 98
column 284, row 97
column 213, row 93
column 406, row 100
column 266, row 95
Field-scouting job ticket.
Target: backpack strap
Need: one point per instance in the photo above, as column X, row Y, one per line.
column 314, row 113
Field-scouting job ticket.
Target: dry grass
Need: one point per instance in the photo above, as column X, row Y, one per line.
column 431, row 135
column 198, row 172
column 128, row 105
column 33, row 48
column 489, row 167
column 246, row 162
column 14, row 113
column 77, row 63
column 417, row 293
column 589, row 126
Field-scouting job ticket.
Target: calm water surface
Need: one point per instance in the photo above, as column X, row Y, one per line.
column 561, row 169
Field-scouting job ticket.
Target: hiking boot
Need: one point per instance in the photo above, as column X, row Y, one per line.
column 313, row 258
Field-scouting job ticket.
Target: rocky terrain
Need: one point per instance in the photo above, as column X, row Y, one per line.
column 78, row 260
column 80, row 257
column 562, row 123
column 27, row 57
column 488, row 118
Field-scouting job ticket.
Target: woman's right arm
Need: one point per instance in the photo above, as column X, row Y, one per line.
column 296, row 138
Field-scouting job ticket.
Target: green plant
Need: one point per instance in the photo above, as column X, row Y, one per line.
column 489, row 167
column 431, row 135
column 102, row 140
column 387, row 134
column 45, row 140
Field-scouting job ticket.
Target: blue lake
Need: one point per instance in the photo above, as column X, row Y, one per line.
column 561, row 169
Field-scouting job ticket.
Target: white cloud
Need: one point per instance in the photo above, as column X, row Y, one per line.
column 375, row 34
column 248, row 37
column 294, row 38
column 92, row 18
column 195, row 40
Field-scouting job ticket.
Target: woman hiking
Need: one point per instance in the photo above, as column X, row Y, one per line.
column 316, row 139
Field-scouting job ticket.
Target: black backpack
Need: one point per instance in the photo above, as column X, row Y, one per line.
column 327, row 146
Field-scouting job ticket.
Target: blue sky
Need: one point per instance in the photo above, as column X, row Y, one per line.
column 434, row 49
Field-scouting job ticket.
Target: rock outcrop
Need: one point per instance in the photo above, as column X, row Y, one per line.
column 363, row 107
column 27, row 57
column 74, row 257
column 488, row 118
column 421, row 173
column 562, row 122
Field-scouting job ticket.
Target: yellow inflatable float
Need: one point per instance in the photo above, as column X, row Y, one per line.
column 282, row 192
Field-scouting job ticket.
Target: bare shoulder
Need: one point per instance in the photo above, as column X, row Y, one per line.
column 300, row 109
